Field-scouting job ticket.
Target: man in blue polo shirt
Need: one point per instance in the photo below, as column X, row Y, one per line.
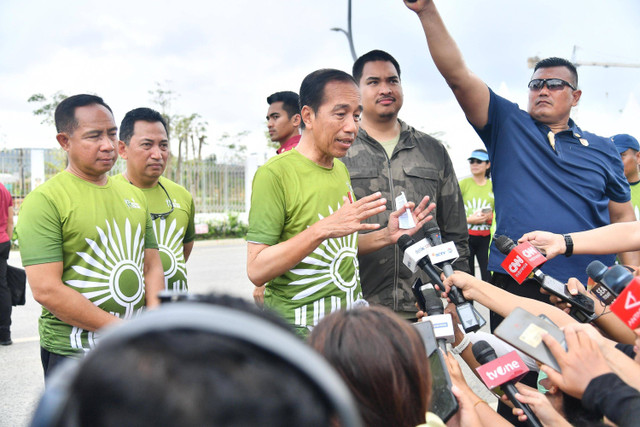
column 548, row 174
column 629, row 150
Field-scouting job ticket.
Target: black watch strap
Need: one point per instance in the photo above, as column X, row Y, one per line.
column 568, row 241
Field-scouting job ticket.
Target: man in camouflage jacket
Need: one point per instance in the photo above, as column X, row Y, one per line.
column 391, row 157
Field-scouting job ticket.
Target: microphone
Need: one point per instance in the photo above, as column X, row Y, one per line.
column 442, row 323
column 617, row 278
column 596, row 271
column 522, row 263
column 627, row 305
column 503, row 371
column 433, row 236
column 415, row 255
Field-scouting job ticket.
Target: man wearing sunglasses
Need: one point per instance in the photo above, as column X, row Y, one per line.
column 548, row 174
column 144, row 144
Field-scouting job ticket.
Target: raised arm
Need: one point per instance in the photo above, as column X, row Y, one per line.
column 471, row 92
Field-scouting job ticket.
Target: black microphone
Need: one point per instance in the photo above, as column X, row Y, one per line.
column 484, row 353
column 433, row 236
column 596, row 271
column 617, row 278
column 442, row 323
column 405, row 242
column 582, row 307
column 469, row 317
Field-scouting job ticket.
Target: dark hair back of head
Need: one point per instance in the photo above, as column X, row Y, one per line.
column 312, row 87
column 558, row 62
column 65, row 114
column 193, row 377
column 382, row 359
column 145, row 114
column 290, row 101
column 374, row 55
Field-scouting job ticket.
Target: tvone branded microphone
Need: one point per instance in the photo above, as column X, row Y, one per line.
column 522, row 263
column 504, row 372
column 415, row 255
column 596, row 271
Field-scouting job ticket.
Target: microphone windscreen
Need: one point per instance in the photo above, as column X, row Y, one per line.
column 596, row 270
column 504, row 243
column 405, row 241
column 483, row 352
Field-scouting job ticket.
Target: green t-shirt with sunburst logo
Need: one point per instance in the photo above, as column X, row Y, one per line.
column 291, row 193
column 477, row 197
column 99, row 233
column 172, row 231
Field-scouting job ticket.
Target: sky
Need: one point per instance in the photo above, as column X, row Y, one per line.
column 224, row 58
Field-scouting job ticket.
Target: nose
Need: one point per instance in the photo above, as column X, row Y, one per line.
column 107, row 144
column 351, row 125
column 384, row 88
column 156, row 152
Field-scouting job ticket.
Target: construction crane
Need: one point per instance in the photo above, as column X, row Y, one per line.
column 533, row 60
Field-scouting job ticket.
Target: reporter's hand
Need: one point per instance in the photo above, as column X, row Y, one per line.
column 461, row 280
column 549, row 244
column 581, row 363
column 540, row 405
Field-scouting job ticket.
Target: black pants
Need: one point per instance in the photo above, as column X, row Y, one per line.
column 5, row 293
column 479, row 248
column 50, row 361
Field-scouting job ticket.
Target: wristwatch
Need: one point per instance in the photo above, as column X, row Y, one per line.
column 568, row 241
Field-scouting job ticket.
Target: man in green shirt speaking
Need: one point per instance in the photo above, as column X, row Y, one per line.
column 144, row 144
column 86, row 240
column 304, row 221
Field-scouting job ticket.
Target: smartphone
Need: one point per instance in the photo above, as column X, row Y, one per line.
column 559, row 289
column 443, row 402
column 486, row 210
column 523, row 330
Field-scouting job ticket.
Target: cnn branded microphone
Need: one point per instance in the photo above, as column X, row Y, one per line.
column 415, row 254
column 522, row 263
column 596, row 271
column 442, row 323
column 503, row 371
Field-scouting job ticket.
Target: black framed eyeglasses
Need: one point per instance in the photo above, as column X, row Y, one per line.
column 552, row 84
column 164, row 215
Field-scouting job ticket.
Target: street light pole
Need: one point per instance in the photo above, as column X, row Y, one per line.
column 348, row 33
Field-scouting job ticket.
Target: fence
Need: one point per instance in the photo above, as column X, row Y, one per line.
column 215, row 187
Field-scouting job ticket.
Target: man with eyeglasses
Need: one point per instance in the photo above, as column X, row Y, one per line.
column 548, row 174
column 144, row 144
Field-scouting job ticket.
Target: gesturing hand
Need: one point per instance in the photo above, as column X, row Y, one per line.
column 348, row 219
column 420, row 216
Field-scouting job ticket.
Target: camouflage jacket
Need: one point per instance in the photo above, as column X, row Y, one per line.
column 419, row 166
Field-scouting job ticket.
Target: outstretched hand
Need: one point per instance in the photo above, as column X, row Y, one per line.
column 550, row 244
column 421, row 214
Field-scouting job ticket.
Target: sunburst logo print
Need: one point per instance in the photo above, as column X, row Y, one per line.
column 170, row 247
column 333, row 263
column 113, row 275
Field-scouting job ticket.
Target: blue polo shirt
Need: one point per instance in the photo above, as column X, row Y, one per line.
column 538, row 188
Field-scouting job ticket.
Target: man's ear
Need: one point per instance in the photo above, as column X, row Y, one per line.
column 63, row 140
column 307, row 114
column 296, row 120
column 576, row 97
column 122, row 149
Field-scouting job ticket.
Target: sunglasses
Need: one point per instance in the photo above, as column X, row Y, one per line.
column 474, row 161
column 552, row 84
column 164, row 215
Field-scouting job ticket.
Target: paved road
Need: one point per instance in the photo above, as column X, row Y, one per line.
column 214, row 266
